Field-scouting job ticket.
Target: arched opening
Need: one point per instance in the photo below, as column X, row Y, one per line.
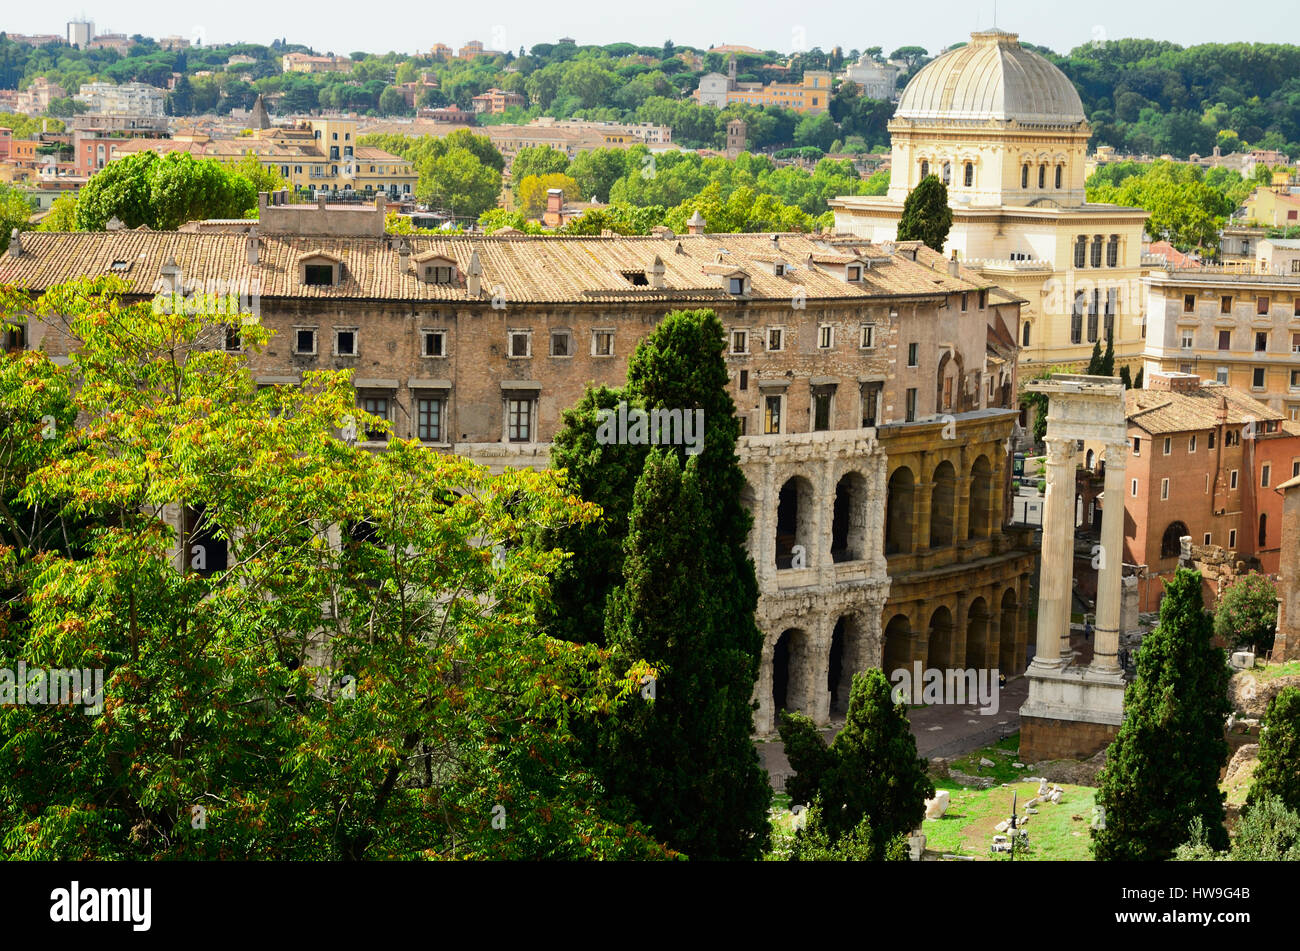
column 1171, row 545
column 1009, row 633
column 794, row 524
column 789, row 672
column 977, row 635
column 849, row 520
column 897, row 654
column 1024, row 176
column 1024, row 334
column 940, row 652
column 968, row 175
column 981, row 498
column 1042, row 176
column 898, row 512
column 943, row 505
column 1088, row 459
column 835, row 670
column 947, row 173
column 1059, row 171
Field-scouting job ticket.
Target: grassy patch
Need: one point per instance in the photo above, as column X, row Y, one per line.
column 1054, row 833
column 1272, row 671
column 1002, row 754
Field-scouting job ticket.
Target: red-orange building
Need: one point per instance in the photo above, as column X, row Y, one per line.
column 1205, row 461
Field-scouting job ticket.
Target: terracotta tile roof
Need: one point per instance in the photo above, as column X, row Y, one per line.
column 1159, row 411
column 1171, row 254
column 527, row 268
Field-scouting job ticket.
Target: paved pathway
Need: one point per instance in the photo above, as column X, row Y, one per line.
column 941, row 730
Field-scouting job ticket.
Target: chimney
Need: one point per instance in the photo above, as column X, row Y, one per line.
column 554, row 201
column 403, row 256
column 320, row 203
column 262, row 201
column 253, row 245
column 474, row 282
column 656, row 273
column 1169, row 382
column 776, row 242
column 170, row 272
column 696, row 224
column 16, row 244
column 953, row 267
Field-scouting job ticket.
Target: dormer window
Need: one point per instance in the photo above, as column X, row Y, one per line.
column 636, row 278
column 120, row 266
column 853, row 273
column 318, row 275
column 319, row 269
column 435, row 268
column 736, row 285
column 437, row 275
column 778, row 269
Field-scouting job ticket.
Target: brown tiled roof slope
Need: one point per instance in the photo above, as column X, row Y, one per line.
column 537, row 269
column 1158, row 411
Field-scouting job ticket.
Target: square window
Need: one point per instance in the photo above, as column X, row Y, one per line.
column 433, row 343
column 345, row 343
column 1261, row 306
column 602, row 343
column 428, row 419
column 1221, row 375
column 775, row 339
column 1208, row 539
column 318, row 275
column 1261, row 342
column 1295, row 379
column 521, row 343
column 1225, row 304
column 1257, row 378
column 854, row 272
column 232, row 339
column 1189, row 303
column 913, row 354
column 736, row 285
column 825, row 336
column 437, row 275
column 561, row 343
column 740, row 341
column 868, row 339
column 1295, row 343
column 1225, row 339
column 1187, row 340
column 304, row 341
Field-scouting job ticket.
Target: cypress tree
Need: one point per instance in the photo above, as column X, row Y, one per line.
column 1094, row 362
column 684, row 759
column 1278, row 772
column 1137, row 380
column 870, row 771
column 1162, row 770
column 926, row 216
column 1107, row 365
column 1126, row 377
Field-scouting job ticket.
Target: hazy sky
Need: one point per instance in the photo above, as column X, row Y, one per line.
column 766, row 24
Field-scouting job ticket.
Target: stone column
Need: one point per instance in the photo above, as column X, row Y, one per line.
column 961, row 518
column 765, row 525
column 1105, row 658
column 924, row 495
column 819, row 647
column 1056, row 571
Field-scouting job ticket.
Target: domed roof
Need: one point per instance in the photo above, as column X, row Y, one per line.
column 993, row 77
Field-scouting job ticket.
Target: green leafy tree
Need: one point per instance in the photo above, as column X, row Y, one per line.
column 1267, row 832
column 597, row 170
column 329, row 693
column 1246, row 616
column 926, row 216
column 62, row 216
column 537, row 160
column 163, row 193
column 1173, row 729
column 532, row 192
column 813, row 843
column 460, row 183
column 1279, row 752
column 869, row 772
column 15, row 212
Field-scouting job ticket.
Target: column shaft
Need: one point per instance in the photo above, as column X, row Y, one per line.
column 1106, row 651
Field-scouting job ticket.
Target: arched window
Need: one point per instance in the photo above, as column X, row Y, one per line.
column 947, row 173
column 1024, row 334
column 1171, row 543
column 1059, row 170
column 969, row 175
column 1042, row 176
column 925, row 169
column 1024, row 176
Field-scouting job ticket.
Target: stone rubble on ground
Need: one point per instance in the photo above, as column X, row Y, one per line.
column 936, row 807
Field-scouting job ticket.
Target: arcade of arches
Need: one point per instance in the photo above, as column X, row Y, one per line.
column 861, row 564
